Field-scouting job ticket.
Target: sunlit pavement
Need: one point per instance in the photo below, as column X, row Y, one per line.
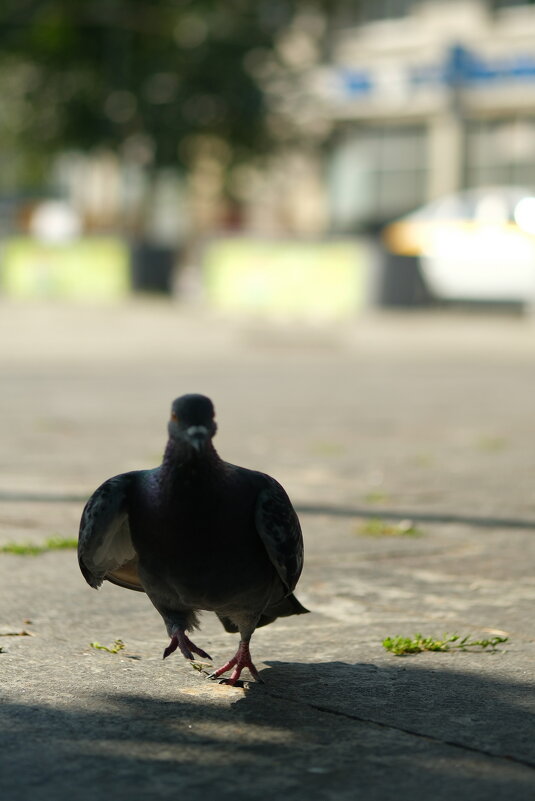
column 423, row 418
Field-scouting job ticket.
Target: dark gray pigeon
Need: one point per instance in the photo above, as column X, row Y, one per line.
column 197, row 533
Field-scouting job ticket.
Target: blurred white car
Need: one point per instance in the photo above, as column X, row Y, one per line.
column 475, row 245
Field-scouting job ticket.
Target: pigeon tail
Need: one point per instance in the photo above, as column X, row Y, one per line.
column 288, row 606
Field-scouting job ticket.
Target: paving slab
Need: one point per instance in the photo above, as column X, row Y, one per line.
column 424, row 418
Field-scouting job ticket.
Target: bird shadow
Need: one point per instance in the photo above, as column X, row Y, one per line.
column 448, row 703
column 311, row 731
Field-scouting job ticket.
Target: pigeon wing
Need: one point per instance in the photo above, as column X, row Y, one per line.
column 280, row 531
column 105, row 549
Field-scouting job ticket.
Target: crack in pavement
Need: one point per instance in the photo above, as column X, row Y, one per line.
column 480, row 521
column 392, row 727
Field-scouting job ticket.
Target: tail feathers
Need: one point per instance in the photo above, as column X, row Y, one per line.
column 288, row 606
column 285, row 608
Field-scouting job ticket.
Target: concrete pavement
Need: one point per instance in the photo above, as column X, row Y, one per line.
column 425, row 417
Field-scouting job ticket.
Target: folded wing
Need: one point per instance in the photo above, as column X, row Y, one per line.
column 105, row 549
column 279, row 529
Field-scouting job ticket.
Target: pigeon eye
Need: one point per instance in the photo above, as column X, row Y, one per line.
column 174, row 417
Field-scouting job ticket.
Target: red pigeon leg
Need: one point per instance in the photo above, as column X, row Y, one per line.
column 181, row 641
column 241, row 659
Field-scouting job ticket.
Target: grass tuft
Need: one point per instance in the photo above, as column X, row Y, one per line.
column 401, row 646
column 118, row 645
column 375, row 527
column 491, row 443
column 30, row 549
column 375, row 496
column 201, row 666
column 327, row 448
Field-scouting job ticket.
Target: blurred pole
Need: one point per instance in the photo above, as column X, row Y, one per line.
column 447, row 140
column 446, row 155
column 447, row 129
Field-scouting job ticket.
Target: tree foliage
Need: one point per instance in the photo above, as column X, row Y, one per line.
column 145, row 74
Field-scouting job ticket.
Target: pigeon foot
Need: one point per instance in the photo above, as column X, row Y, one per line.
column 242, row 659
column 187, row 648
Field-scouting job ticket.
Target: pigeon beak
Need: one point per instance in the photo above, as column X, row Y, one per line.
column 197, row 437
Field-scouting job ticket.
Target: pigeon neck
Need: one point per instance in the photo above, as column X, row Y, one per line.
column 179, row 460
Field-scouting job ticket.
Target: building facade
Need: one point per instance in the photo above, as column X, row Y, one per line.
column 426, row 98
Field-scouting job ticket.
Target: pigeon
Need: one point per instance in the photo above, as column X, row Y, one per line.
column 197, row 534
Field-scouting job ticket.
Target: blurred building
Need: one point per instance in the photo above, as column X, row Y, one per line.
column 426, row 98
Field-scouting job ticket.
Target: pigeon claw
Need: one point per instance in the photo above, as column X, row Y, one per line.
column 241, row 659
column 171, row 647
column 187, row 648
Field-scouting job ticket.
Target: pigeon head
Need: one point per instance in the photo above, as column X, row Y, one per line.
column 192, row 421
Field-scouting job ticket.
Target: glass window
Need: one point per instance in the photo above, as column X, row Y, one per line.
column 500, row 152
column 377, row 173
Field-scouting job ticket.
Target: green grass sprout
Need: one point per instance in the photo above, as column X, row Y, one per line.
column 29, row 549
column 118, row 645
column 401, row 646
column 375, row 496
column 491, row 443
column 200, row 666
column 21, row 549
column 375, row 527
column 61, row 543
column 327, row 448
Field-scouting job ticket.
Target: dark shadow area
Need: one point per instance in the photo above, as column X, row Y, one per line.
column 402, row 284
column 151, row 267
column 480, row 521
column 313, row 731
column 495, row 717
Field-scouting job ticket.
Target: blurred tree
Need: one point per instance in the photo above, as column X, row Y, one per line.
column 149, row 76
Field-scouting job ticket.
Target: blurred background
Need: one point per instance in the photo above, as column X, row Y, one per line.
column 300, row 158
column 321, row 214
